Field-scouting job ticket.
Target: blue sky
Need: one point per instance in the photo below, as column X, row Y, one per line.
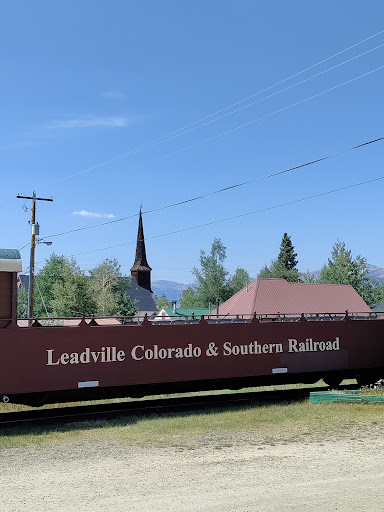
column 91, row 91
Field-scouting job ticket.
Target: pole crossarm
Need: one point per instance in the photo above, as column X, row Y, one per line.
column 36, row 198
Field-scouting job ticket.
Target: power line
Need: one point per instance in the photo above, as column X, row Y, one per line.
column 220, row 190
column 175, row 133
column 263, row 99
column 295, row 201
column 273, row 113
column 165, row 138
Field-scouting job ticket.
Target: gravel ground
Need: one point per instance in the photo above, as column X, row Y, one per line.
column 227, row 474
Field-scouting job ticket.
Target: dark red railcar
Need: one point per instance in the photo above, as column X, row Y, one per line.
column 60, row 363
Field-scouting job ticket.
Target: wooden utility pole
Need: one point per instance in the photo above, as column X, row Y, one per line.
column 34, row 231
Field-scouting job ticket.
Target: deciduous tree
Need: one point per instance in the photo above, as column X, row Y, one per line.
column 190, row 299
column 239, row 280
column 212, row 277
column 22, row 302
column 56, row 271
column 342, row 268
column 110, row 288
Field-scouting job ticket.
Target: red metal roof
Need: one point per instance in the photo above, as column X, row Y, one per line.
column 272, row 296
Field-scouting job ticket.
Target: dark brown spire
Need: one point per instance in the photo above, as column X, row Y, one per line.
column 140, row 270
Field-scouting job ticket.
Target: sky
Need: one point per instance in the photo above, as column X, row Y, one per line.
column 109, row 105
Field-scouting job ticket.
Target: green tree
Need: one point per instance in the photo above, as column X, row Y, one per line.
column 284, row 266
column 110, row 289
column 287, row 255
column 104, row 283
column 378, row 292
column 56, row 270
column 22, row 302
column 190, row 299
column 308, row 277
column 278, row 270
column 74, row 296
column 163, row 302
column 212, row 277
column 239, row 280
column 342, row 268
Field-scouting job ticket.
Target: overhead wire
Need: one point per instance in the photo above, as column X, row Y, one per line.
column 295, row 201
column 175, row 133
column 269, row 96
column 248, row 182
column 273, row 113
column 165, row 137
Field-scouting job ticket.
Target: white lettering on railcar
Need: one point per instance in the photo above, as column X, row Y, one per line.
column 140, row 352
column 189, row 351
column 105, row 355
column 253, row 348
column 312, row 346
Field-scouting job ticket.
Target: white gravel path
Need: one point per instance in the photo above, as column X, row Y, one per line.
column 333, row 475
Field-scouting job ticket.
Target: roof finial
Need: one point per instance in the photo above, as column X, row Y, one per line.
column 141, row 207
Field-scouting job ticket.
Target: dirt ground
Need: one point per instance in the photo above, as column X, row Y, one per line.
column 342, row 474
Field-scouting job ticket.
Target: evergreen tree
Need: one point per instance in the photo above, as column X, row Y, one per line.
column 284, row 266
column 287, row 255
column 163, row 302
column 278, row 270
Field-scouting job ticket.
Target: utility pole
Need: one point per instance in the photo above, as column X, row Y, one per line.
column 34, row 231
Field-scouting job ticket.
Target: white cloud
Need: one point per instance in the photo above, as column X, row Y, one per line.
column 84, row 213
column 93, row 122
column 114, row 95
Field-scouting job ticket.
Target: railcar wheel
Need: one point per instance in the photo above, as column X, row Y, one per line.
column 333, row 381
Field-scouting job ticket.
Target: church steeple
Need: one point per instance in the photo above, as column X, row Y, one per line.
column 140, row 270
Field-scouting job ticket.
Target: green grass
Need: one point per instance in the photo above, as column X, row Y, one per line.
column 259, row 425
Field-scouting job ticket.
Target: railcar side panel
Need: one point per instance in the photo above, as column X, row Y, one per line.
column 40, row 359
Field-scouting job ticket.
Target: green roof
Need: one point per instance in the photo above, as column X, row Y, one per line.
column 187, row 311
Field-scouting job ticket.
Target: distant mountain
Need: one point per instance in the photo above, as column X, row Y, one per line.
column 173, row 290
column 374, row 271
column 170, row 289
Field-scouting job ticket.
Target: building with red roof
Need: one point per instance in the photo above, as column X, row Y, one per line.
column 267, row 296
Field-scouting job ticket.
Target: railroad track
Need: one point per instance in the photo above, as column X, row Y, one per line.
column 160, row 406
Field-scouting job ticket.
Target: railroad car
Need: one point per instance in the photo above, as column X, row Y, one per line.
column 50, row 361
column 47, row 364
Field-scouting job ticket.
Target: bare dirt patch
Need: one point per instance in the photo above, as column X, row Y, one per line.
column 218, row 473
